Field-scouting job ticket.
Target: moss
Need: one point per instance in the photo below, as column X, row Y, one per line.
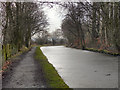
column 8, row 51
column 4, row 52
column 0, row 56
column 14, row 49
column 0, row 50
column 52, row 77
column 24, row 48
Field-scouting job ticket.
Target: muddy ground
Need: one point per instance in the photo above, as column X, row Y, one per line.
column 24, row 72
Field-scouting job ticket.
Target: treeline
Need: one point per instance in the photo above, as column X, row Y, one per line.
column 54, row 38
column 19, row 22
column 93, row 25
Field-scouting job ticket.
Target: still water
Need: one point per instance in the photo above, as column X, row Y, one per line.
column 83, row 69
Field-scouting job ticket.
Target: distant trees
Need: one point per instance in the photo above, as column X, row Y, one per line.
column 20, row 21
column 57, row 37
column 54, row 38
column 93, row 24
column 43, row 38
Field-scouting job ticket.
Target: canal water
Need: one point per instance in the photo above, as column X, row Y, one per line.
column 83, row 69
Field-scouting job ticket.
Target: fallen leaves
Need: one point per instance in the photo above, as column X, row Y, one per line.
column 5, row 67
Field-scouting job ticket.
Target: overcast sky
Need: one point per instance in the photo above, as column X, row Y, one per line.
column 54, row 17
column 55, row 14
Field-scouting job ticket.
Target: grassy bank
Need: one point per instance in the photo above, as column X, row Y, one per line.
column 52, row 77
column 102, row 51
column 97, row 50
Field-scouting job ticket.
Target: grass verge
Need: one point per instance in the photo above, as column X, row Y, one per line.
column 102, row 51
column 97, row 50
column 52, row 77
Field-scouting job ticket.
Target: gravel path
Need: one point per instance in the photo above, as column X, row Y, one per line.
column 24, row 73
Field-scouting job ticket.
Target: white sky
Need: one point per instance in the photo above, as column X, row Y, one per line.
column 55, row 14
column 54, row 17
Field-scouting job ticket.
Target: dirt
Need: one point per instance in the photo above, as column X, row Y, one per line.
column 24, row 72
